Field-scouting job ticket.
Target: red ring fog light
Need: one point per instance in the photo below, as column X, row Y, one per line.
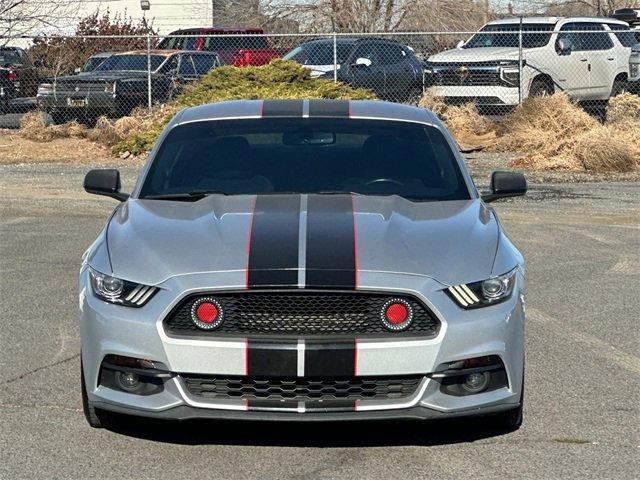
column 207, row 313
column 396, row 314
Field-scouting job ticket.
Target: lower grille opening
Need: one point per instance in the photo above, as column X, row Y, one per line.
column 301, row 389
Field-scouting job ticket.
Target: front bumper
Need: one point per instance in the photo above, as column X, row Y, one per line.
column 485, row 95
column 496, row 330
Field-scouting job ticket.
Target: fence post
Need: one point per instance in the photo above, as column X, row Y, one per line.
column 335, row 56
column 520, row 66
column 149, row 71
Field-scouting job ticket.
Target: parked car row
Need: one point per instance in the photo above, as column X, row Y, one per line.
column 591, row 59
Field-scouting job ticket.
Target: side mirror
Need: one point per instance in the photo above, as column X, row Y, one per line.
column 564, row 46
column 104, row 182
column 460, row 44
column 505, row 184
column 362, row 62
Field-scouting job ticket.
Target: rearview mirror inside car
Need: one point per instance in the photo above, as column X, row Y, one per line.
column 104, row 182
column 505, row 184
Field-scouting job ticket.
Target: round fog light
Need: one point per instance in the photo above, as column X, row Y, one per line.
column 475, row 382
column 128, row 381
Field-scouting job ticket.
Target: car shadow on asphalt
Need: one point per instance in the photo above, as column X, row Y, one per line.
column 304, row 434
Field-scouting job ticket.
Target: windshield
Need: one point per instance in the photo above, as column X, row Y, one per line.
column 131, row 63
column 292, row 155
column 318, row 53
column 10, row 57
column 507, row 35
column 93, row 63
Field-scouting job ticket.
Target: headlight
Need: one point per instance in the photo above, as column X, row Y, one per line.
column 118, row 291
column 482, row 294
column 510, row 76
column 45, row 88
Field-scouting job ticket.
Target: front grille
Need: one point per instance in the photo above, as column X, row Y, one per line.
column 470, row 78
column 81, row 87
column 301, row 389
column 301, row 313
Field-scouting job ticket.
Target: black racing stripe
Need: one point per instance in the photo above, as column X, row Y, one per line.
column 282, row 108
column 324, row 358
column 273, row 249
column 330, row 261
column 329, row 108
column 268, row 358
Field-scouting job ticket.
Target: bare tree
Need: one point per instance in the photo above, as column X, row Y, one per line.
column 26, row 17
column 579, row 7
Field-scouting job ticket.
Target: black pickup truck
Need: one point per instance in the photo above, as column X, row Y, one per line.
column 120, row 84
column 19, row 76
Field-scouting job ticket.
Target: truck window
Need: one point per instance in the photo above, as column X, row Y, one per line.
column 594, row 37
column 625, row 36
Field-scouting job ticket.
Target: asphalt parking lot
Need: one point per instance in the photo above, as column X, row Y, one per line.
column 582, row 412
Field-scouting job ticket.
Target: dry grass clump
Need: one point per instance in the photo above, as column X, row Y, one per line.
column 607, row 149
column 624, row 108
column 471, row 130
column 33, row 127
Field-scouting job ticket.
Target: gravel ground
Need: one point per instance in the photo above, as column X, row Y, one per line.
column 581, row 241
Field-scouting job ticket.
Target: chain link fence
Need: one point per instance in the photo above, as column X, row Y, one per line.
column 83, row 78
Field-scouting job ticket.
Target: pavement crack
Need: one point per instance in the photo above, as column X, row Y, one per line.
column 39, row 369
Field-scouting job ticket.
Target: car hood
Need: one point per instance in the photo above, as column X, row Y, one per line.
column 150, row 241
column 471, row 55
column 102, row 76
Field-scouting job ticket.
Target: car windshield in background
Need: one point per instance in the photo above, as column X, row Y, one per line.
column 131, row 63
column 235, row 43
column 369, row 157
column 507, row 35
column 10, row 57
column 93, row 63
column 318, row 53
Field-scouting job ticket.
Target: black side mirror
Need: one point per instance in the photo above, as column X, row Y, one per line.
column 564, row 46
column 104, row 182
column 505, row 184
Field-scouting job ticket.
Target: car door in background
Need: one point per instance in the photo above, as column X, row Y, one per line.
column 571, row 70
column 400, row 75
column 366, row 69
column 598, row 46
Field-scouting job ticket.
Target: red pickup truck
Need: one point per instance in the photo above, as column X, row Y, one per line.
column 234, row 46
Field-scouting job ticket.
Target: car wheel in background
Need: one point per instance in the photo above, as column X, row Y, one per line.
column 540, row 88
column 619, row 87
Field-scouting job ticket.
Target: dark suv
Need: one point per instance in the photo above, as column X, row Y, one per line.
column 391, row 70
column 19, row 76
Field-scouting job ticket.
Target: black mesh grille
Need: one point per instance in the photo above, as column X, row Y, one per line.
column 301, row 389
column 301, row 313
column 470, row 78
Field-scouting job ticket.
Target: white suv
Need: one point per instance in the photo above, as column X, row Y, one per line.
column 588, row 58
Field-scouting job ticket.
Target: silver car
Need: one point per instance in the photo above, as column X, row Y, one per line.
column 303, row 260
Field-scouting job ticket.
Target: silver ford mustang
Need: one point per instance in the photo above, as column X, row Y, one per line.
column 303, row 260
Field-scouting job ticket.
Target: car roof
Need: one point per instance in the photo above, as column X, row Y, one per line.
column 350, row 40
column 205, row 30
column 164, row 53
column 553, row 20
column 247, row 109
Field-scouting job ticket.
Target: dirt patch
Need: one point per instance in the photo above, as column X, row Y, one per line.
column 17, row 149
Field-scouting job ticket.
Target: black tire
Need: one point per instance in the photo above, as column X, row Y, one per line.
column 95, row 418
column 540, row 88
column 59, row 118
column 511, row 420
column 619, row 87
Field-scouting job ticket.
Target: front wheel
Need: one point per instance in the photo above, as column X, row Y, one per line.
column 619, row 87
column 95, row 418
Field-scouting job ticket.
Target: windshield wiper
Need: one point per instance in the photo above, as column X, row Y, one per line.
column 190, row 196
